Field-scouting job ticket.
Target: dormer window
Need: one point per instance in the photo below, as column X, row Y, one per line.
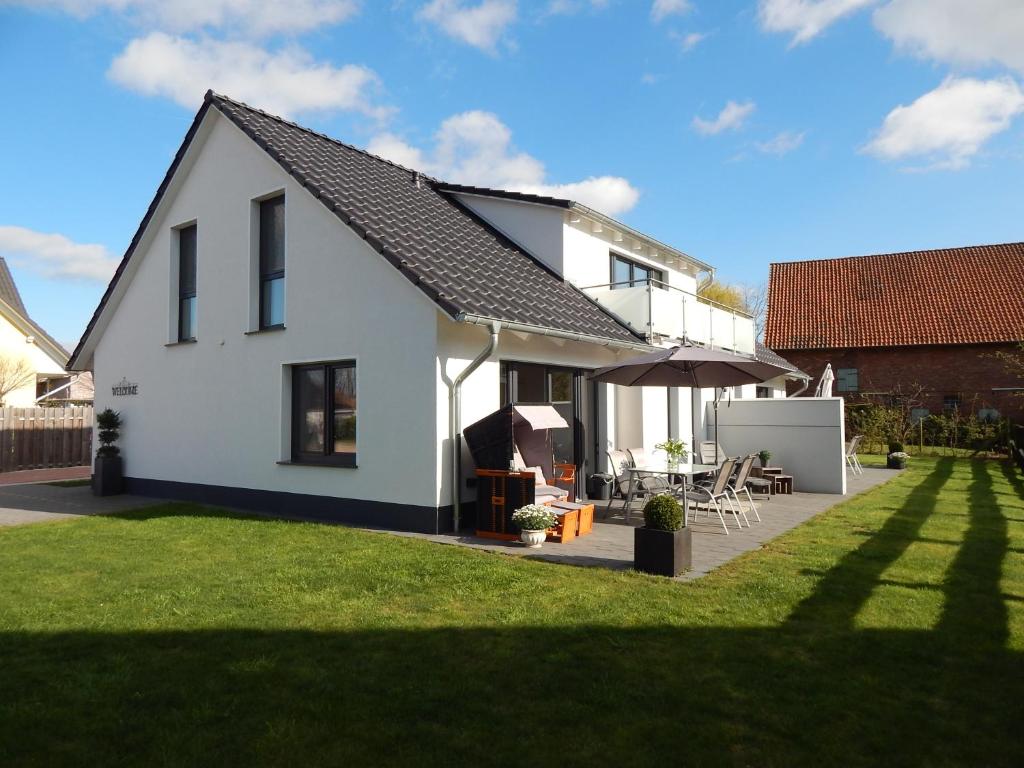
column 627, row 273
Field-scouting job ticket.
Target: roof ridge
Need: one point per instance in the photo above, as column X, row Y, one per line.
column 898, row 253
column 214, row 97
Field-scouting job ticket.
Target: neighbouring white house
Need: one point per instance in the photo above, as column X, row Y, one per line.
column 32, row 363
column 301, row 327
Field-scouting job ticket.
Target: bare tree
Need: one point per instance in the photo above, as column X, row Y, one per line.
column 1013, row 364
column 15, row 373
column 755, row 300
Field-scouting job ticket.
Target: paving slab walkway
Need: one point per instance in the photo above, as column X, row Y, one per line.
column 611, row 543
column 45, row 475
column 40, row 503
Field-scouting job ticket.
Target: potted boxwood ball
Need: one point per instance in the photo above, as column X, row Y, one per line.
column 108, row 471
column 662, row 547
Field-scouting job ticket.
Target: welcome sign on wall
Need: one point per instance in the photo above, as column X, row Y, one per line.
column 125, row 387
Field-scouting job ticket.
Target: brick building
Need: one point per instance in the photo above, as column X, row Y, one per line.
column 891, row 323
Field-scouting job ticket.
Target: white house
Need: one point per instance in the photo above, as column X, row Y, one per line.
column 32, row 363
column 301, row 327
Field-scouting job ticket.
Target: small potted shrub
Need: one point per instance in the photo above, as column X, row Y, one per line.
column 675, row 452
column 897, row 457
column 108, row 471
column 765, row 457
column 663, row 546
column 533, row 521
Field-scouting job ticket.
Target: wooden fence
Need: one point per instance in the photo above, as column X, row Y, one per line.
column 38, row 438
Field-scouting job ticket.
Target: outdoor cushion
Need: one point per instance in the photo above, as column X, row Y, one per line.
column 538, row 475
column 551, row 490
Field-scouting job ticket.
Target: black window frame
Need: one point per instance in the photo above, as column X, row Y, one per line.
column 328, row 456
column 267, row 276
column 185, row 292
column 655, row 276
column 953, row 403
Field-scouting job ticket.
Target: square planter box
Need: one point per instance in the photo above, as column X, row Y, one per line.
column 108, row 476
column 662, row 553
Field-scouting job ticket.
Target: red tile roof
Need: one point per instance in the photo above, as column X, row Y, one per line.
column 969, row 295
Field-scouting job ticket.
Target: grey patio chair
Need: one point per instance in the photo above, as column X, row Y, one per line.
column 619, row 461
column 851, row 455
column 739, row 484
column 716, row 495
column 655, row 483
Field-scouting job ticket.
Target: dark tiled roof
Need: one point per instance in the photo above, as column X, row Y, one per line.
column 10, row 295
column 8, row 290
column 455, row 257
column 765, row 355
column 969, row 295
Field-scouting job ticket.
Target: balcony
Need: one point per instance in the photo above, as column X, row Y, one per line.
column 657, row 310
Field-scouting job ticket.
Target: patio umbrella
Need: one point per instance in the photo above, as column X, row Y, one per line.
column 689, row 366
column 825, row 383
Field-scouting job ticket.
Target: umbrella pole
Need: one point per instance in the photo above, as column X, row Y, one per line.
column 716, row 424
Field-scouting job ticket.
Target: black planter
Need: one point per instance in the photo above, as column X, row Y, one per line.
column 108, row 476
column 895, row 463
column 662, row 553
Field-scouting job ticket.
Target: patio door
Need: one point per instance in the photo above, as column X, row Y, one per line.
column 531, row 383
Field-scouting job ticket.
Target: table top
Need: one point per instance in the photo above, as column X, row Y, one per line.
column 682, row 469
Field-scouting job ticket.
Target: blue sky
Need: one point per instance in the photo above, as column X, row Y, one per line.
column 741, row 131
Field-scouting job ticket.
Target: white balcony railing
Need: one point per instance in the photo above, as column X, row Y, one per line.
column 659, row 310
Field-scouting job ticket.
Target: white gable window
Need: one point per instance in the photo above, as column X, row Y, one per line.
column 847, row 380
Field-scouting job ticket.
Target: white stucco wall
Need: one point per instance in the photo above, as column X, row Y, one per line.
column 14, row 346
column 537, row 228
column 805, row 435
column 218, row 411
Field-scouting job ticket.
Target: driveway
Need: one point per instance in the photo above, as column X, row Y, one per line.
column 21, row 504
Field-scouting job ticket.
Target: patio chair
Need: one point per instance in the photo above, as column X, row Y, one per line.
column 716, row 495
column 739, row 483
column 654, row 483
column 707, row 452
column 851, row 455
column 619, row 461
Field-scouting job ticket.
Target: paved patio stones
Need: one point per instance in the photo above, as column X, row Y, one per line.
column 22, row 504
column 611, row 543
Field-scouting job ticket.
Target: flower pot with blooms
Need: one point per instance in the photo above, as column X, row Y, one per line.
column 897, row 460
column 533, row 521
column 675, row 451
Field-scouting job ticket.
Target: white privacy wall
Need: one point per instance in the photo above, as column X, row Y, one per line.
column 805, row 435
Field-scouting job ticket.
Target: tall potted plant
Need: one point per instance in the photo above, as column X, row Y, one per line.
column 675, row 452
column 765, row 456
column 108, row 471
column 663, row 546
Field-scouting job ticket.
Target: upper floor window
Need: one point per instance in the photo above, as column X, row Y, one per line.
column 272, row 262
column 628, row 273
column 187, row 283
column 952, row 403
column 324, row 413
column 847, row 380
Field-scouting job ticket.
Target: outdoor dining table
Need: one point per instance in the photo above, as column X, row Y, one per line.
column 686, row 470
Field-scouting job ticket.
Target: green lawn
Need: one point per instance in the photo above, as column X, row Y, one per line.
column 889, row 631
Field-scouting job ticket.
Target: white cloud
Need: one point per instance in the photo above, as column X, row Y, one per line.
column 571, row 7
column 285, row 82
column 662, row 9
column 254, row 17
column 946, row 127
column 968, row 33
column 781, row 144
column 805, row 19
column 688, row 41
column 481, row 25
column 55, row 256
column 731, row 118
column 476, row 148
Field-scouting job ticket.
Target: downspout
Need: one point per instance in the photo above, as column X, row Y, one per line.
column 807, row 383
column 455, row 420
